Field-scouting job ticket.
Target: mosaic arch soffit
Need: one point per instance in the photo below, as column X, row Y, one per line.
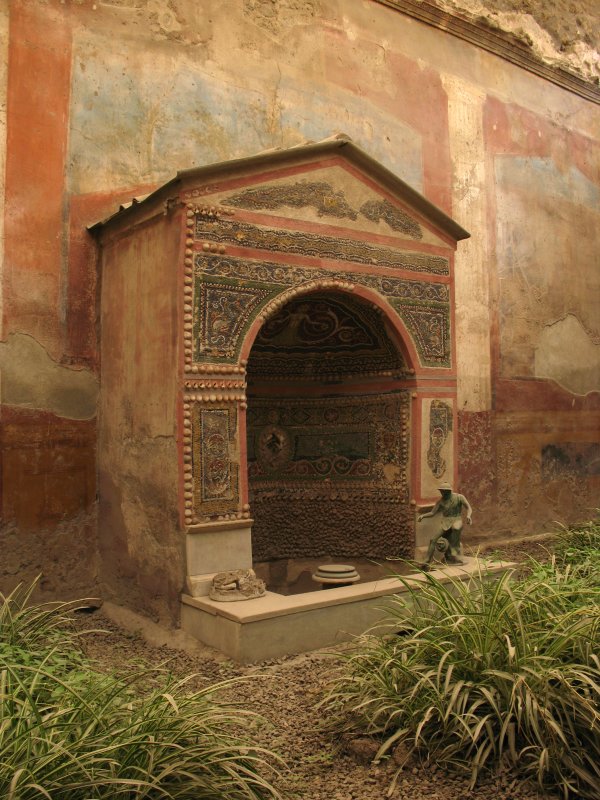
column 323, row 334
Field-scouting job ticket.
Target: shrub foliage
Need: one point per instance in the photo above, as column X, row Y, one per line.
column 488, row 673
column 69, row 732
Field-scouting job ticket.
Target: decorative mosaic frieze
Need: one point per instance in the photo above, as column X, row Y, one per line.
column 223, row 313
column 319, row 195
column 429, row 326
column 290, row 275
column 395, row 218
column 227, row 231
column 440, row 426
column 344, row 439
column 423, row 306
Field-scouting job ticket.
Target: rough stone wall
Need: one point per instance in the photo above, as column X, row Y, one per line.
column 103, row 100
column 562, row 32
column 49, row 513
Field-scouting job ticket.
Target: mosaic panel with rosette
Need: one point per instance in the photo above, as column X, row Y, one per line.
column 342, row 439
column 329, row 476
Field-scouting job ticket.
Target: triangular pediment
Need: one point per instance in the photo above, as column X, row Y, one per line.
column 328, row 196
column 330, row 184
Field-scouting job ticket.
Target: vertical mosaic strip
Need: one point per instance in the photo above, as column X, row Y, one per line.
column 440, row 426
column 215, row 467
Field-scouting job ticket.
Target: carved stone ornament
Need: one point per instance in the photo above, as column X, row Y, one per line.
column 237, row 584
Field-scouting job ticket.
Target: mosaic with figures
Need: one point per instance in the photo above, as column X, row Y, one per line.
column 329, row 476
column 319, row 195
column 230, row 292
column 326, row 201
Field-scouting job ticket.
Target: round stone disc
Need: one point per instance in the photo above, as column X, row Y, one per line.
column 336, row 573
column 336, row 569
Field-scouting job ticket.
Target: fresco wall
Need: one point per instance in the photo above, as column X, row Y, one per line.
column 100, row 101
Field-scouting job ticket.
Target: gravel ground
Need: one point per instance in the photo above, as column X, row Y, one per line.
column 286, row 693
column 538, row 548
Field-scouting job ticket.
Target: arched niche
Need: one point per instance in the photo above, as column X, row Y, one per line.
column 192, row 273
column 328, row 430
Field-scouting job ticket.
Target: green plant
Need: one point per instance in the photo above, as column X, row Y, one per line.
column 69, row 732
column 486, row 673
column 492, row 555
column 31, row 626
column 579, row 548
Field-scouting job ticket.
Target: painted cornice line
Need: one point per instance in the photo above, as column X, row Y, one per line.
column 501, row 44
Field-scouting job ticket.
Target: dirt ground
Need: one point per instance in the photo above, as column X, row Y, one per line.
column 286, row 693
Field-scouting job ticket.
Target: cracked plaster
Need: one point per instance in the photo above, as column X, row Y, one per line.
column 567, row 354
column 31, row 379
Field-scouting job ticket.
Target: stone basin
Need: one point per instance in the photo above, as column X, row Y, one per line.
column 277, row 625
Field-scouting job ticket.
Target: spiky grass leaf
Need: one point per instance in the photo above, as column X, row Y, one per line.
column 68, row 731
column 487, row 672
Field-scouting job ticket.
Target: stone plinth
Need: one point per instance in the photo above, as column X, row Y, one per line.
column 276, row 625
